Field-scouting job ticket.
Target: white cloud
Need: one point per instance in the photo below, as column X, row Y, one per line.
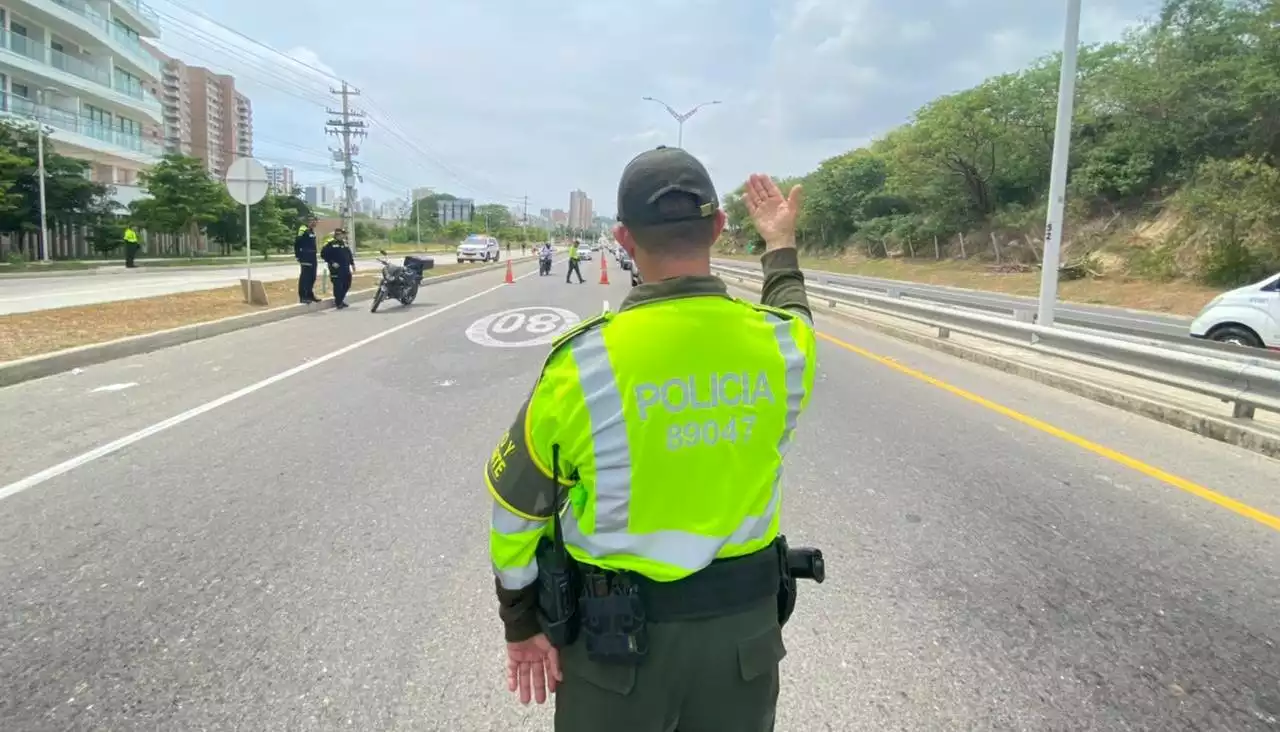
column 543, row 96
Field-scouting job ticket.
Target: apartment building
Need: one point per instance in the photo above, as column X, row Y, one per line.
column 244, row 126
column 81, row 69
column 318, row 196
column 280, row 178
column 204, row 116
column 579, row 210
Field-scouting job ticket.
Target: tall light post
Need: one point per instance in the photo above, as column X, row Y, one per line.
column 41, row 131
column 679, row 118
column 1058, row 173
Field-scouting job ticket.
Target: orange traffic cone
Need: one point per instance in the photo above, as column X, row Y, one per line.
column 511, row 278
column 604, row 270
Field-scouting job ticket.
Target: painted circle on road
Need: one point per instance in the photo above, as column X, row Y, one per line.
column 537, row 325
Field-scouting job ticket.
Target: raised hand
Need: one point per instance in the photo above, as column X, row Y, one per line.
column 774, row 216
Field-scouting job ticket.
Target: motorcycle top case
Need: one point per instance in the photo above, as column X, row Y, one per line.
column 418, row 264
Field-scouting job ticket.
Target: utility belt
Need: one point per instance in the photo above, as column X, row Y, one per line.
column 612, row 610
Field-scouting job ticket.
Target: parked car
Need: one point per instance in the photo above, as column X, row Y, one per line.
column 1245, row 316
column 479, row 248
column 624, row 259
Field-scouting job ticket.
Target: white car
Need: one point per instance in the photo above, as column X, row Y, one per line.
column 1245, row 316
column 479, row 248
column 584, row 253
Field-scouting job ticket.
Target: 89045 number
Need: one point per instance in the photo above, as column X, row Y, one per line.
column 709, row 432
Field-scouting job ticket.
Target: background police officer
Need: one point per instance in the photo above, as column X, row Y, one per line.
column 131, row 245
column 304, row 250
column 574, row 256
column 668, row 438
column 341, row 263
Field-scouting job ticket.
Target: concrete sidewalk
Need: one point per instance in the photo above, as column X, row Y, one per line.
column 45, row 292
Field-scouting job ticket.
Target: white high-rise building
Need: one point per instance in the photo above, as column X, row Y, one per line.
column 280, row 178
column 579, row 210
column 81, row 69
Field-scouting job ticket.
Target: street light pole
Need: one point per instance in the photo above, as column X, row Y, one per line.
column 44, row 220
column 680, row 118
column 1058, row 173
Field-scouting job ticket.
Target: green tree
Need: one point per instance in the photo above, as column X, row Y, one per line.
column 1182, row 114
column 184, row 198
column 70, row 197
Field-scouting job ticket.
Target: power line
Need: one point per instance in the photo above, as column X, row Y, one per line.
column 381, row 119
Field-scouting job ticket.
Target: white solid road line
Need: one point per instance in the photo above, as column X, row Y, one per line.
column 67, row 466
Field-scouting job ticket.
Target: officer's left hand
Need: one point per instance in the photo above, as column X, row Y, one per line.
column 533, row 668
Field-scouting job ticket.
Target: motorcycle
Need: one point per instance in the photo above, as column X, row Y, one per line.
column 400, row 281
column 544, row 264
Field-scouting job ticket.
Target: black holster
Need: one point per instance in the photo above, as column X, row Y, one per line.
column 793, row 564
column 559, row 587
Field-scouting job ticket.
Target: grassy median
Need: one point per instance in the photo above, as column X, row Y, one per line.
column 46, row 331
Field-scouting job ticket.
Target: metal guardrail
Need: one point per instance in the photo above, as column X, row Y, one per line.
column 1247, row 383
column 1134, row 325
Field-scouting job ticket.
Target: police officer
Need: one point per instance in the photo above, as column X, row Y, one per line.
column 663, row 428
column 304, row 250
column 573, row 262
column 131, row 246
column 341, row 263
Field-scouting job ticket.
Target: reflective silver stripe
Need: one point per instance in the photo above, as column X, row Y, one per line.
column 507, row 523
column 793, row 357
column 676, row 548
column 518, row 578
column 608, row 431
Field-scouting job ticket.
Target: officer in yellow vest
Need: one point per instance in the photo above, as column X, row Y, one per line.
column 131, row 246
column 650, row 600
column 574, row 258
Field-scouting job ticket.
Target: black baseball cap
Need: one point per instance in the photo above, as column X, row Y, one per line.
column 654, row 174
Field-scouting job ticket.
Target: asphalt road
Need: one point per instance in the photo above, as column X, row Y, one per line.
column 27, row 294
column 309, row 552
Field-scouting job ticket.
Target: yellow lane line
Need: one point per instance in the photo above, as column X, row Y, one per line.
column 1150, row 471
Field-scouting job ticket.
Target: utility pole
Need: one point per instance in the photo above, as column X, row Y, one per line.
column 345, row 125
column 524, row 222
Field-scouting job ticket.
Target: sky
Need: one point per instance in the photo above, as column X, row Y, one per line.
column 501, row 99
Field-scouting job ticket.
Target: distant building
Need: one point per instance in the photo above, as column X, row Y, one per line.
column 458, row 209
column 421, row 193
column 318, row 196
column 579, row 210
column 204, row 115
column 280, row 178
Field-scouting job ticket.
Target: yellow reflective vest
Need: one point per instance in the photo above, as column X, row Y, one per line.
column 671, row 462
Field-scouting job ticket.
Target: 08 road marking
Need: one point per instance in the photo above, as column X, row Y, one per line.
column 1150, row 471
column 67, row 466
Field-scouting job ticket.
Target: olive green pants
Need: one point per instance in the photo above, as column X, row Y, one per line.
column 718, row 675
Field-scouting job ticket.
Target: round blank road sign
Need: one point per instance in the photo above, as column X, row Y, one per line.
column 537, row 325
column 246, row 181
